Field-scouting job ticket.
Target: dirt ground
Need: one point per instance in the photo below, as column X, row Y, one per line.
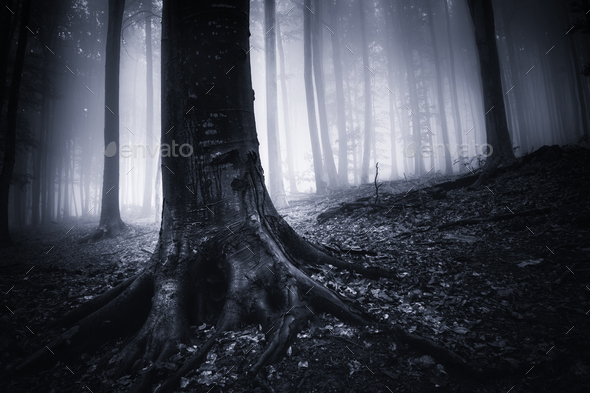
column 508, row 290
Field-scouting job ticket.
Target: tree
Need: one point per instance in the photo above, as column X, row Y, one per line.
column 497, row 134
column 149, row 118
column 318, row 73
column 340, row 107
column 368, row 98
column 110, row 216
column 318, row 166
column 11, row 120
column 277, row 190
column 286, row 117
column 408, row 55
column 224, row 255
column 439, row 89
column 452, row 79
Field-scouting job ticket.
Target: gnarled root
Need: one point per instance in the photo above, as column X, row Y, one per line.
column 249, row 279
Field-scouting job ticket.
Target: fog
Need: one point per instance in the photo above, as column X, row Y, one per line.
column 60, row 149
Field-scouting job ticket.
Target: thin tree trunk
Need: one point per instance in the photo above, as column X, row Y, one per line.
column 414, row 108
column 275, row 172
column 309, row 93
column 340, row 105
column 453, row 82
column 66, row 182
column 110, row 216
column 11, row 118
column 286, row 117
column 439, row 90
column 519, row 87
column 368, row 98
column 149, row 119
column 318, row 68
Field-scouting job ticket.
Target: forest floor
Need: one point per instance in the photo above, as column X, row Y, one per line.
column 510, row 290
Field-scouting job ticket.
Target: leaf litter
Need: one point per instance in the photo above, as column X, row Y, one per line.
column 510, row 291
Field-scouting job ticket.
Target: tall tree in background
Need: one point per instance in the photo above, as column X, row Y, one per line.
column 368, row 98
column 404, row 18
column 318, row 165
column 391, row 50
column 439, row 88
column 519, row 101
column 224, row 255
column 340, row 106
column 453, row 79
column 110, row 216
column 286, row 117
column 149, row 118
column 318, row 72
column 578, row 74
column 482, row 14
column 275, row 172
column 11, row 116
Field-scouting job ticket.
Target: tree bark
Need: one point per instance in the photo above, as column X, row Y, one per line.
column 11, row 117
column 368, row 99
column 224, row 255
column 497, row 133
column 318, row 166
column 110, row 216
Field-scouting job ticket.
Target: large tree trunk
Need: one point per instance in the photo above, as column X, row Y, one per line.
column 340, row 106
column 224, row 255
column 286, row 117
column 368, row 99
column 497, row 133
column 149, row 119
column 318, row 165
column 318, row 72
column 275, row 171
column 439, row 90
column 11, row 115
column 110, row 216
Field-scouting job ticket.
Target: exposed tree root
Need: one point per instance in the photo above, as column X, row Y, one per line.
column 305, row 253
column 256, row 281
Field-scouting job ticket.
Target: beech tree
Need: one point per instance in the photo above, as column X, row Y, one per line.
column 110, row 216
column 482, row 14
column 149, row 117
column 318, row 164
column 368, row 135
column 10, row 130
column 224, row 255
column 277, row 190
